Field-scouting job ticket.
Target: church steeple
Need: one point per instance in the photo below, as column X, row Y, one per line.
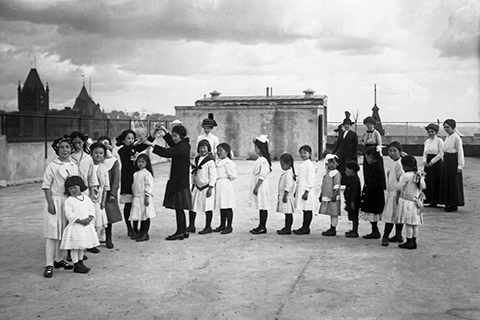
column 33, row 98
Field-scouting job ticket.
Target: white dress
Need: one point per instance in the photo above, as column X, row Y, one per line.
column 408, row 212
column 394, row 173
column 85, row 169
column 142, row 186
column 54, row 179
column 76, row 236
column 305, row 182
column 203, row 178
column 224, row 192
column 261, row 170
column 286, row 183
column 101, row 221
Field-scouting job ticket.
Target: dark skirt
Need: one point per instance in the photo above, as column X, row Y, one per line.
column 432, row 179
column 366, row 166
column 180, row 200
column 451, row 185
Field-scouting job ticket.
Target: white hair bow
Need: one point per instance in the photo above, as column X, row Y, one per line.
column 263, row 138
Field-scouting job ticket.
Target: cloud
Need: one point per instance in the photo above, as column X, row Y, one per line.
column 461, row 38
column 352, row 45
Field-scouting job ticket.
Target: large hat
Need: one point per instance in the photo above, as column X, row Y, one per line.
column 347, row 119
column 432, row 126
column 339, row 128
column 209, row 122
column 369, row 119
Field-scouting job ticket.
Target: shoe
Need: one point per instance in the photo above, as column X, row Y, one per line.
column 143, row 237
column 451, row 209
column 347, row 232
column 284, row 231
column 130, row 233
column 372, row 236
column 93, row 250
column 351, row 234
column 255, row 230
column 385, row 242
column 206, row 230
column 301, row 231
column 407, row 245
column 227, row 230
column 191, row 229
column 85, row 257
column 414, row 243
column 329, row 233
column 135, row 236
column 219, row 229
column 396, row 238
column 109, row 244
column 186, row 235
column 259, row 231
column 175, row 236
column 80, row 268
column 48, row 273
column 62, row 264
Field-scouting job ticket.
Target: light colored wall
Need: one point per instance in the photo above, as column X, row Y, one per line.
column 287, row 127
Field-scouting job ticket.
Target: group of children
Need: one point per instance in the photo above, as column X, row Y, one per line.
column 81, row 188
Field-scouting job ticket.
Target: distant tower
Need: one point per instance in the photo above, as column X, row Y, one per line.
column 33, row 98
column 375, row 114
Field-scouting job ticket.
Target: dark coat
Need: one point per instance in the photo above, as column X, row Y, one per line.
column 346, row 149
column 352, row 194
column 373, row 197
column 128, row 165
column 180, row 168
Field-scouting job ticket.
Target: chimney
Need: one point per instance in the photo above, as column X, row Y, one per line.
column 267, row 91
column 271, row 91
column 309, row 93
column 215, row 94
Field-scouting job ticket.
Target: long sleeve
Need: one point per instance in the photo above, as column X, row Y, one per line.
column 212, row 173
column 264, row 170
column 114, row 179
column 355, row 147
column 70, row 212
column 289, row 182
column 48, row 177
column 148, row 184
column 310, row 176
column 461, row 157
column 231, row 170
column 439, row 155
column 92, row 177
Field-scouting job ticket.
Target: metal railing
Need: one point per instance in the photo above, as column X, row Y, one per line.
column 31, row 128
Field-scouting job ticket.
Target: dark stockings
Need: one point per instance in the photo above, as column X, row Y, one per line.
column 263, row 219
column 307, row 219
column 288, row 221
column 208, row 219
column 181, row 221
column 145, row 226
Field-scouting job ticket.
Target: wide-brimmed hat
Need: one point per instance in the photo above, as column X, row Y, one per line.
column 209, row 122
column 339, row 128
column 369, row 119
column 432, row 126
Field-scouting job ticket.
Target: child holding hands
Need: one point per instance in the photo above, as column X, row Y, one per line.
column 330, row 194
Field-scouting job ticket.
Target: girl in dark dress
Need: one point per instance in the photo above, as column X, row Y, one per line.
column 346, row 147
column 433, row 163
column 373, row 197
column 127, row 152
column 177, row 192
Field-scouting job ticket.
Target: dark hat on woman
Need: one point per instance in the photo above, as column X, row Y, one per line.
column 369, row 119
column 347, row 119
column 209, row 122
column 339, row 128
column 432, row 126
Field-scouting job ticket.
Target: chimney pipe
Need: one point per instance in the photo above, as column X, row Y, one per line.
column 271, row 91
column 267, row 91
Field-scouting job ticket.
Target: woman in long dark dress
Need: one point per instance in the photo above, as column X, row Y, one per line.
column 177, row 192
column 451, row 187
column 346, row 147
column 372, row 138
column 433, row 163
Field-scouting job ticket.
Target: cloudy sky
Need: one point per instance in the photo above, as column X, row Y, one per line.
column 150, row 56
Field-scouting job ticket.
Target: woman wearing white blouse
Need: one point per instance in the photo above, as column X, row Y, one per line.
column 451, row 192
column 433, row 163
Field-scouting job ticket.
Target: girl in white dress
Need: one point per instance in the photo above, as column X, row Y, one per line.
column 98, row 151
column 286, row 188
column 389, row 215
column 53, row 186
column 330, row 194
column 204, row 176
column 224, row 192
column 142, row 207
column 411, row 201
column 84, row 162
column 259, row 185
column 304, row 199
column 79, row 233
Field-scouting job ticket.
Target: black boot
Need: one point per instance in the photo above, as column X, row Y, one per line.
column 414, row 242
column 407, row 245
column 332, row 232
column 126, row 216
column 191, row 221
column 288, row 225
column 79, row 267
column 208, row 223
column 223, row 219
column 108, row 236
column 229, row 215
column 375, row 233
column 386, row 233
column 307, row 219
column 398, row 233
column 354, row 232
column 263, row 223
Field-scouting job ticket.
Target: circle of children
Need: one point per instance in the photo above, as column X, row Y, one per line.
column 82, row 184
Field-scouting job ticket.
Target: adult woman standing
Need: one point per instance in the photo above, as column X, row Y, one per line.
column 177, row 192
column 372, row 138
column 346, row 147
column 451, row 186
column 433, row 163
